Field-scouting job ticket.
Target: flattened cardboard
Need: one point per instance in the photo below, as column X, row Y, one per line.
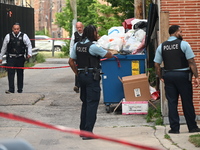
column 134, row 107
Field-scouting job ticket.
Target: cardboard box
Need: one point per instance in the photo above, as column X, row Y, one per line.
column 136, row 88
column 134, row 107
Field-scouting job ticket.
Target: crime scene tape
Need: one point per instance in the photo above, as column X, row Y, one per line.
column 72, row 131
column 9, row 67
column 116, row 58
column 52, row 39
column 33, row 67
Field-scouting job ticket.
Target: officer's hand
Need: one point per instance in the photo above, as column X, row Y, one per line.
column 0, row 61
column 28, row 56
column 162, row 80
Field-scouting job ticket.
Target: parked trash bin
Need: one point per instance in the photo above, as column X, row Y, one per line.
column 119, row 66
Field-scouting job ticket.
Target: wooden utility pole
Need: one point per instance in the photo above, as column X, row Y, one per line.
column 138, row 9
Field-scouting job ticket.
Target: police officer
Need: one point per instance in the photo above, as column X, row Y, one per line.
column 86, row 54
column 16, row 45
column 76, row 37
column 179, row 65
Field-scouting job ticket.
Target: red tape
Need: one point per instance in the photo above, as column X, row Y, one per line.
column 117, row 59
column 33, row 67
column 53, row 39
column 73, row 131
column 9, row 67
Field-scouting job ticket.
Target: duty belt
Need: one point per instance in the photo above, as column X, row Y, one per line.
column 85, row 70
column 176, row 70
column 15, row 55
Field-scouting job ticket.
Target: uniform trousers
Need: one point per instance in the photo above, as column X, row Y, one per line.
column 15, row 62
column 178, row 83
column 90, row 96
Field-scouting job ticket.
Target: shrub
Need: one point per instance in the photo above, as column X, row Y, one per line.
column 40, row 58
column 66, row 48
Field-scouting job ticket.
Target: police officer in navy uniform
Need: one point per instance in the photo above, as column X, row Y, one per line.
column 18, row 46
column 86, row 54
column 179, row 66
column 76, row 37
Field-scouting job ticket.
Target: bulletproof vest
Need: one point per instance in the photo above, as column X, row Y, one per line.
column 84, row 58
column 173, row 56
column 77, row 37
column 16, row 44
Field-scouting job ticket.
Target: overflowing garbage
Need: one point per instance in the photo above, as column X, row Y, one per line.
column 126, row 42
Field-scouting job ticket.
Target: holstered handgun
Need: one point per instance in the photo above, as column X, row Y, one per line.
column 86, row 70
column 96, row 73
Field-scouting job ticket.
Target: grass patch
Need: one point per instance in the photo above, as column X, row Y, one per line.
column 154, row 114
column 27, row 64
column 195, row 139
column 167, row 137
column 56, row 54
column 3, row 74
column 40, row 58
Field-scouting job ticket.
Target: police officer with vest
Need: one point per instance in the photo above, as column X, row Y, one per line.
column 76, row 37
column 179, row 67
column 18, row 46
column 86, row 54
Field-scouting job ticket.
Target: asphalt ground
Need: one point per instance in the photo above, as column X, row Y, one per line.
column 48, row 96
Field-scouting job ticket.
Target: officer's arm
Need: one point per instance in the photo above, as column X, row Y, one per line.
column 27, row 42
column 4, row 47
column 73, row 65
column 108, row 55
column 193, row 67
column 158, row 71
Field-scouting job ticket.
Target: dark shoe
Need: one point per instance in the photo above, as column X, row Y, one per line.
column 195, row 130
column 87, row 138
column 8, row 92
column 76, row 89
column 173, row 131
column 81, row 136
column 19, row 91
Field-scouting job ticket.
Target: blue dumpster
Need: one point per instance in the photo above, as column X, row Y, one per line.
column 115, row 68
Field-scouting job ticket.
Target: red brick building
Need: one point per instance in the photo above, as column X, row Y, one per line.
column 185, row 13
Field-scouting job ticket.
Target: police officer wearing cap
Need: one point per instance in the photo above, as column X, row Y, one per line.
column 86, row 54
column 179, row 66
column 16, row 44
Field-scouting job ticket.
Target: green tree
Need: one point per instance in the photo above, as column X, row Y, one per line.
column 124, row 7
column 89, row 12
column 105, row 17
column 64, row 18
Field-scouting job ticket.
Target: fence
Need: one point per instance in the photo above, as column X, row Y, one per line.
column 11, row 14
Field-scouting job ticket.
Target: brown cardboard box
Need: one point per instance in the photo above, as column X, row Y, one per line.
column 136, row 88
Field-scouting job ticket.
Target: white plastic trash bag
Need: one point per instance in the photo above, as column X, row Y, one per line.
column 134, row 21
column 116, row 30
column 103, row 41
column 115, row 43
column 139, row 35
column 131, row 44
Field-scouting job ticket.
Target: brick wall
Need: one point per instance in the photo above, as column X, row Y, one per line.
column 186, row 13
